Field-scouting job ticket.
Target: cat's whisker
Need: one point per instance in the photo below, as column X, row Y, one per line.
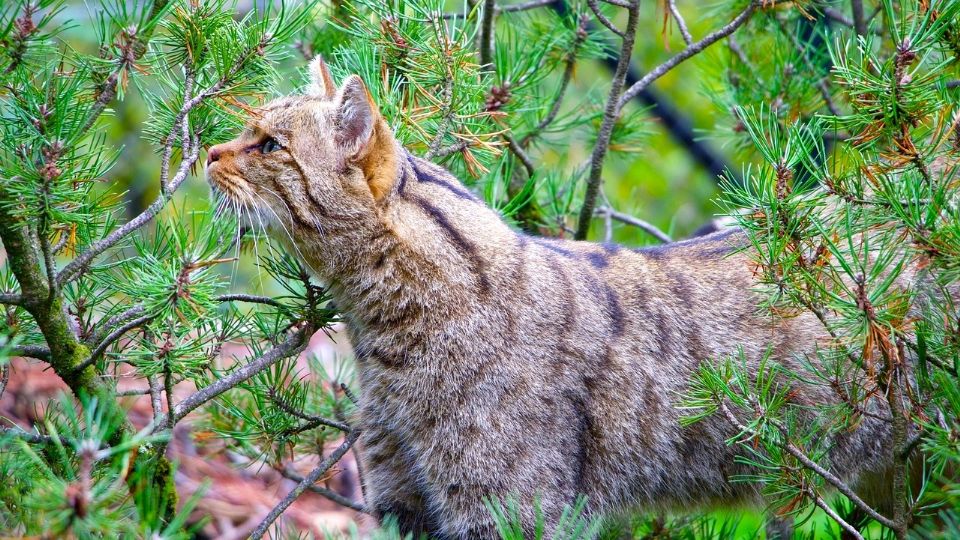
column 285, row 230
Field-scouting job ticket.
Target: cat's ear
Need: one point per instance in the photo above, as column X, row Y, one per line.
column 321, row 83
column 356, row 116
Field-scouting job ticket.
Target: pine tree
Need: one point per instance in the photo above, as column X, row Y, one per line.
column 844, row 115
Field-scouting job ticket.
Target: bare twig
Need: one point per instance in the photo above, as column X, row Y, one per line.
column 570, row 61
column 4, row 377
column 28, row 436
column 452, row 149
column 110, row 339
column 645, row 226
column 349, row 393
column 809, row 463
column 249, row 298
column 485, row 38
column 305, row 484
column 156, row 403
column 77, row 266
column 133, row 392
column 312, row 419
column 533, row 4
column 685, row 54
column 610, row 113
column 516, row 149
column 32, row 351
column 838, row 16
column 11, row 299
column 859, row 22
column 822, row 85
column 681, row 24
column 604, row 20
column 288, row 472
column 446, row 112
column 817, row 500
column 105, row 327
column 294, row 343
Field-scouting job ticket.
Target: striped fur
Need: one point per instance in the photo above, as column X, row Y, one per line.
column 497, row 364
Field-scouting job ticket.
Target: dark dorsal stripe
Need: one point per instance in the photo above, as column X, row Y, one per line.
column 426, row 176
column 464, row 246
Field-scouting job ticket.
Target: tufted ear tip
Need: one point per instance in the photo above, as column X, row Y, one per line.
column 321, row 82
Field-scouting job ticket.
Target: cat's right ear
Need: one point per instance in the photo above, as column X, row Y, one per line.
column 321, row 83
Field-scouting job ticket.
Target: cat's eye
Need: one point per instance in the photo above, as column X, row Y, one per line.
column 270, row 145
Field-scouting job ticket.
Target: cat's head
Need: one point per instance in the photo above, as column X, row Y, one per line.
column 313, row 164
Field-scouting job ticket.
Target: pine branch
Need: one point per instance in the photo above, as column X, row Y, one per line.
column 292, row 345
column 249, row 298
column 485, row 38
column 570, row 61
column 610, row 115
column 687, row 53
column 592, row 4
column 32, row 351
column 859, row 22
column 289, row 473
column 681, row 24
column 304, row 484
column 103, row 328
column 518, row 151
column 11, row 299
column 647, row 227
column 784, row 444
column 312, row 420
column 111, row 338
column 821, row 504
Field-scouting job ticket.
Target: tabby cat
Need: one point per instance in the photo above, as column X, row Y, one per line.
column 493, row 363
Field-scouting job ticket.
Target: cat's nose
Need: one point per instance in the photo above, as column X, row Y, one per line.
column 213, row 154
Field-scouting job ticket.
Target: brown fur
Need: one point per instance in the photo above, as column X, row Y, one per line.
column 497, row 364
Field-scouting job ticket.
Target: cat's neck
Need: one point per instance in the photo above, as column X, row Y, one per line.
column 427, row 261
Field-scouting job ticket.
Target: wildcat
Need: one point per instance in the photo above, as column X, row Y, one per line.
column 492, row 363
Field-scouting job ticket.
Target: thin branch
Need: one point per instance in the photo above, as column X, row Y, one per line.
column 249, row 298
column 156, row 402
column 133, row 392
column 452, row 149
column 446, row 112
column 485, row 38
column 312, row 419
column 77, row 266
column 294, row 343
column 610, row 114
column 647, row 227
column 518, row 151
column 809, row 463
column 822, row 85
column 859, row 22
column 820, row 503
column 533, row 4
column 681, row 24
column 105, row 327
column 27, row 436
column 305, row 484
column 287, row 472
column 838, row 16
column 4, row 378
column 11, row 299
column 110, row 339
column 39, row 352
column 349, row 393
column 570, row 62
column 604, row 20
column 685, row 54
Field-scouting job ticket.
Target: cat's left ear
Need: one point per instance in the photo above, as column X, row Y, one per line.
column 356, row 116
column 321, row 82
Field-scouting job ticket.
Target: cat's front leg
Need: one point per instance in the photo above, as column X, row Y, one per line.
column 391, row 483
